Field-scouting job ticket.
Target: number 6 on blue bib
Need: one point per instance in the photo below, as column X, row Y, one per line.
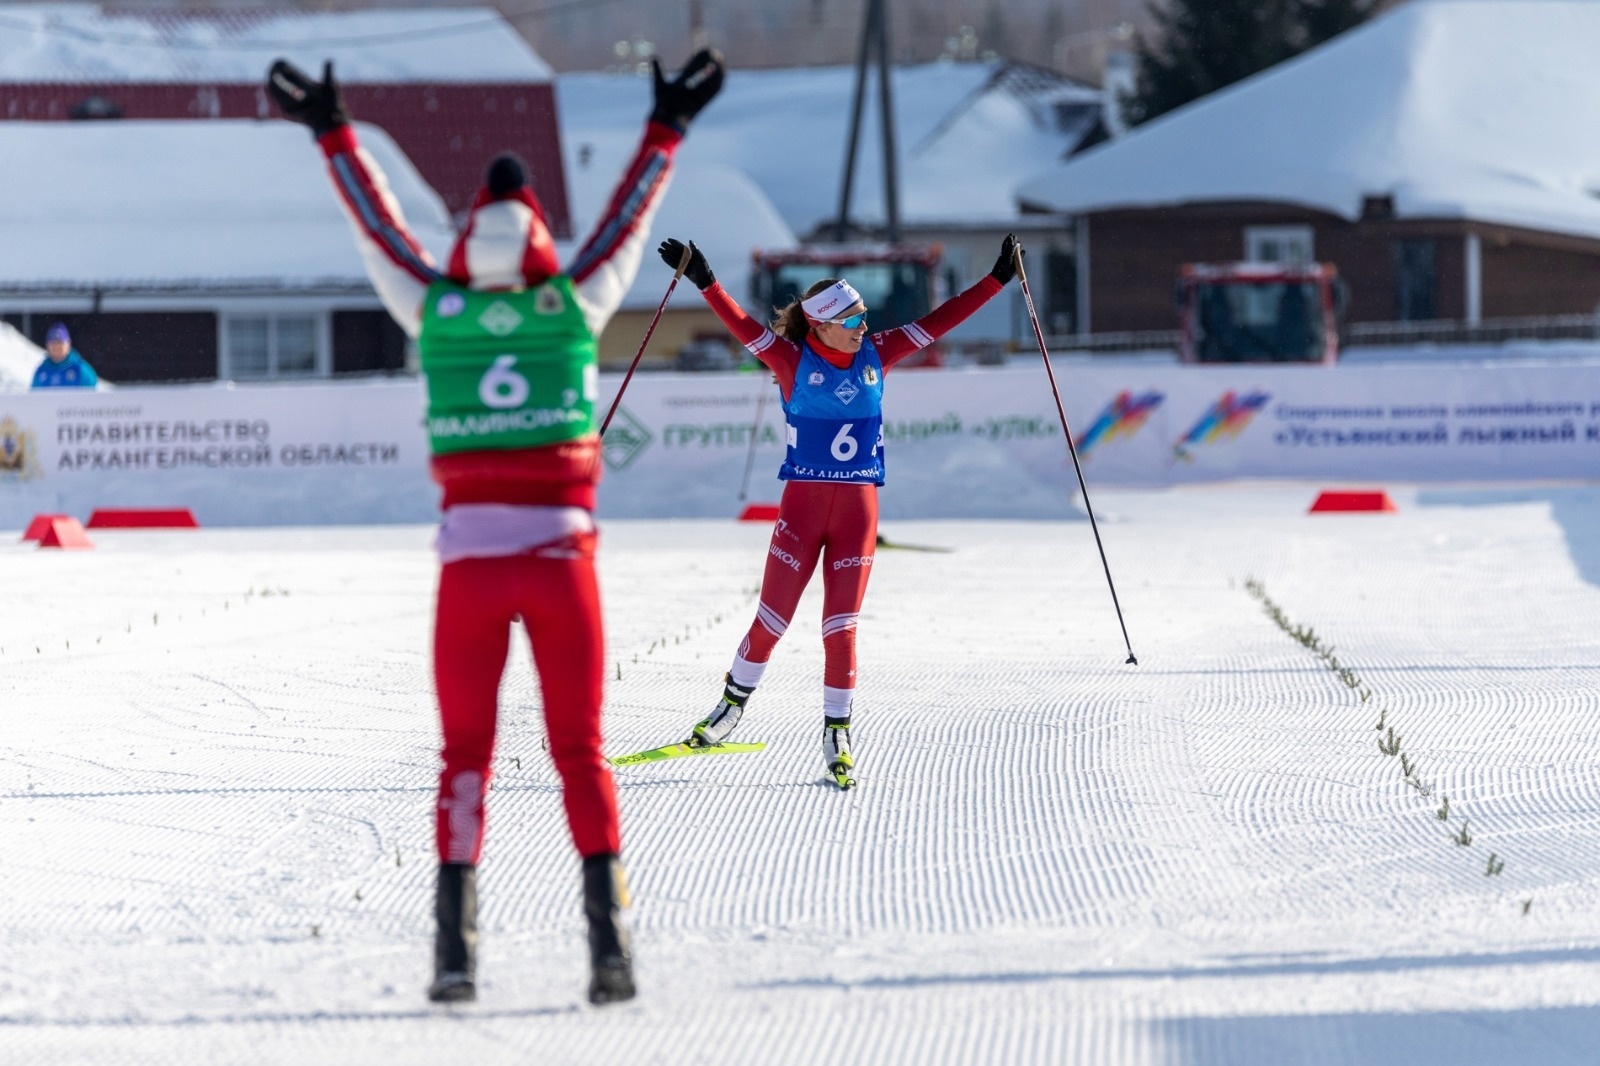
column 835, row 419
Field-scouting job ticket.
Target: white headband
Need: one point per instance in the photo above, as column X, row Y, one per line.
column 830, row 302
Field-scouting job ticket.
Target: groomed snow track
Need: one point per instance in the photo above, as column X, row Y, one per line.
column 218, row 757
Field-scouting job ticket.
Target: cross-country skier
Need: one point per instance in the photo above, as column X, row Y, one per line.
column 830, row 373
column 507, row 340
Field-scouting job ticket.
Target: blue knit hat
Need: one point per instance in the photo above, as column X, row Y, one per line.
column 57, row 332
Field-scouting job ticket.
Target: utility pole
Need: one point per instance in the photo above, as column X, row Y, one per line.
column 874, row 40
column 698, row 38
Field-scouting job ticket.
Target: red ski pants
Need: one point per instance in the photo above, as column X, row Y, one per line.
column 553, row 589
column 836, row 523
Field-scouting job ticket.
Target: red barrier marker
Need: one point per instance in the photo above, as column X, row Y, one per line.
column 142, row 518
column 759, row 512
column 40, row 526
column 65, row 533
column 1353, row 501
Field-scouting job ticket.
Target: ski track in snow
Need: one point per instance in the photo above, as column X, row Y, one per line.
column 217, row 769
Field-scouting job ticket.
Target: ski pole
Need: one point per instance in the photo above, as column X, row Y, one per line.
column 683, row 264
column 755, row 433
column 1038, row 335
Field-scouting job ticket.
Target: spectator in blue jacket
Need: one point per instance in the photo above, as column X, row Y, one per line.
column 65, row 368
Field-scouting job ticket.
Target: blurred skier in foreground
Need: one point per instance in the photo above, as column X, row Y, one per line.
column 830, row 371
column 508, row 348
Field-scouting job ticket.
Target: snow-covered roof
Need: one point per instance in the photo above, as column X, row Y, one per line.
column 187, row 203
column 965, row 132
column 1458, row 109
column 716, row 206
column 99, row 44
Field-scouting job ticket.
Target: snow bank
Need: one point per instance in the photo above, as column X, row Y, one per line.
column 19, row 358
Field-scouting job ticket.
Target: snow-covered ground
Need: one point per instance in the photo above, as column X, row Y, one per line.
column 218, row 756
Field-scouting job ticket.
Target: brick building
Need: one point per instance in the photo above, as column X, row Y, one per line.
column 1434, row 156
column 197, row 250
column 451, row 87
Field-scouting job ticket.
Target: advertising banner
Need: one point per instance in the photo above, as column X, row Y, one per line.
column 956, row 443
column 245, row 455
column 988, row 442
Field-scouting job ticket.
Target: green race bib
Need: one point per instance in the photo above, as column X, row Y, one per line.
column 506, row 369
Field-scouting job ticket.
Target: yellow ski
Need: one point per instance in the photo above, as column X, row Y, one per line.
column 678, row 751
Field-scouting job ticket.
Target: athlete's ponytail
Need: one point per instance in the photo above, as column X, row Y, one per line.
column 790, row 320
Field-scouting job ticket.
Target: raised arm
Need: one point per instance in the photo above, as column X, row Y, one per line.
column 776, row 353
column 400, row 268
column 895, row 344
column 606, row 264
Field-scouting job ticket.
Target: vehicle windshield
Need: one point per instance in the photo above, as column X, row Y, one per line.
column 895, row 293
column 1258, row 321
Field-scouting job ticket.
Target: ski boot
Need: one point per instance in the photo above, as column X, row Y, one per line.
column 715, row 728
column 605, row 894
column 836, row 751
column 455, row 945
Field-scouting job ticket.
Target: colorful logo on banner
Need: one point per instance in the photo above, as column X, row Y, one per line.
column 625, row 440
column 19, row 451
column 1122, row 417
column 1226, row 419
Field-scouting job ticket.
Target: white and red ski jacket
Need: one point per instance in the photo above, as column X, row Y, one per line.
column 782, row 356
column 555, row 476
column 401, row 269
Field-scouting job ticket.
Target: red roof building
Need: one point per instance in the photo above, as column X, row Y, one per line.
column 452, row 86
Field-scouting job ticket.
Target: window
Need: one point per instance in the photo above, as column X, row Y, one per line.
column 1278, row 244
column 1270, row 320
column 264, row 347
column 1415, row 278
column 1061, row 291
column 296, row 346
column 249, row 348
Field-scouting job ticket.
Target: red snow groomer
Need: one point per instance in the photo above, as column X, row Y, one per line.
column 1259, row 313
column 898, row 282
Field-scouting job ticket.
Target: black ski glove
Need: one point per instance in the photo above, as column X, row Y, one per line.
column 698, row 270
column 1005, row 268
column 678, row 101
column 310, row 103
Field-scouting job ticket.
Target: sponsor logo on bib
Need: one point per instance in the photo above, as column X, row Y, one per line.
column 450, row 305
column 815, row 378
column 548, row 302
column 846, row 391
column 500, row 318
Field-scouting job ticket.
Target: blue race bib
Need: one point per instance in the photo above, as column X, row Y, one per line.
column 835, row 420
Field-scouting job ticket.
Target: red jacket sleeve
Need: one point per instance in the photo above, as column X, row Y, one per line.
column 371, row 207
column 777, row 354
column 895, row 344
column 633, row 202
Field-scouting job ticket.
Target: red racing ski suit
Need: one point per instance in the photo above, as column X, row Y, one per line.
column 518, row 536
column 833, row 522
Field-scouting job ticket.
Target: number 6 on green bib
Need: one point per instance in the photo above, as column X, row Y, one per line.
column 506, row 369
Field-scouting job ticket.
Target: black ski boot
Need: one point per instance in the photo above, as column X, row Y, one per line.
column 455, row 945
column 605, row 893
